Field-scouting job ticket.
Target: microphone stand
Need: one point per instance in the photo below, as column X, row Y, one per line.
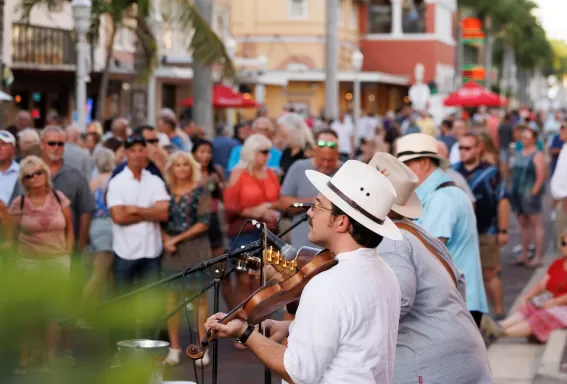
column 253, row 246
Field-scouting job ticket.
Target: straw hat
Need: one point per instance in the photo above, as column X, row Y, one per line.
column 417, row 145
column 404, row 181
column 362, row 193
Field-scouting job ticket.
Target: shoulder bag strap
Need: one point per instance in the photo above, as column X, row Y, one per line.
column 414, row 232
column 446, row 184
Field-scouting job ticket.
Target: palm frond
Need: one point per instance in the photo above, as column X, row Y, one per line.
column 25, row 7
column 207, row 48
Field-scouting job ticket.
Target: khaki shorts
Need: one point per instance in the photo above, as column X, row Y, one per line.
column 489, row 251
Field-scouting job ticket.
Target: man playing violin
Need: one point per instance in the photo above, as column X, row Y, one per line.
column 346, row 325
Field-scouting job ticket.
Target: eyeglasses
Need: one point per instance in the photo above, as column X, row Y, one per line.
column 328, row 144
column 56, row 143
column 265, row 151
column 464, row 148
column 316, row 206
column 152, row 141
column 30, row 176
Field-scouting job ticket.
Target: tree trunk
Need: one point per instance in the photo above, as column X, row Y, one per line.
column 488, row 40
column 459, row 53
column 103, row 87
column 331, row 60
column 202, row 83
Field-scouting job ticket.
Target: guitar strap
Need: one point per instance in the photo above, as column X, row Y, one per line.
column 413, row 231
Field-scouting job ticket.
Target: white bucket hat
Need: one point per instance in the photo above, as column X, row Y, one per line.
column 362, row 193
column 404, row 181
column 417, row 145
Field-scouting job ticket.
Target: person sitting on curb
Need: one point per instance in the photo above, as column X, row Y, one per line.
column 542, row 310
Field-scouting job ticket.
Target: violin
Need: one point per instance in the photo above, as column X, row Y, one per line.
column 283, row 288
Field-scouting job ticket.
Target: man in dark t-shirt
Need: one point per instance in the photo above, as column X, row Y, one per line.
column 492, row 214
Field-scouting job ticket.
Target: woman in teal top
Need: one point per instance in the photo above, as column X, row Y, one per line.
column 528, row 184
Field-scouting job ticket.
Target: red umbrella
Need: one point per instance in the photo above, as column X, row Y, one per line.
column 474, row 95
column 225, row 97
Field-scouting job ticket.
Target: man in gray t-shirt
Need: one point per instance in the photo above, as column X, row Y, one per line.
column 297, row 189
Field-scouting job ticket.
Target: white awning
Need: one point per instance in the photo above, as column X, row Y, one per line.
column 283, row 77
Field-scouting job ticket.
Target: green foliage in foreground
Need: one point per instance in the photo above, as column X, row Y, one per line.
column 30, row 301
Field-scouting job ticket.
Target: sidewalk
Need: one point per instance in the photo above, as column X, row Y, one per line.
column 515, row 361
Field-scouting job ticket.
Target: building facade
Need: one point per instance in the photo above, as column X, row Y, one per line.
column 291, row 35
column 395, row 35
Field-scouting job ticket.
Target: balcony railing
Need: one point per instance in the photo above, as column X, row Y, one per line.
column 41, row 46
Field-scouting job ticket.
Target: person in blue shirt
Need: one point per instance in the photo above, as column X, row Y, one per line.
column 264, row 126
column 492, row 209
column 222, row 148
column 447, row 214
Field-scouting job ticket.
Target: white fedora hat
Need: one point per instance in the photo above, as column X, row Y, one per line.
column 362, row 193
column 417, row 145
column 404, row 181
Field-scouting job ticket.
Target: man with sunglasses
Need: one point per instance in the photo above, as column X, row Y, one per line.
column 157, row 156
column 296, row 188
column 492, row 210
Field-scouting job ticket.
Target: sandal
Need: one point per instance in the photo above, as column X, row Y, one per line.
column 519, row 263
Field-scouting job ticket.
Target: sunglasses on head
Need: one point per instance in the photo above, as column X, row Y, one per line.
column 56, row 143
column 328, row 144
column 32, row 175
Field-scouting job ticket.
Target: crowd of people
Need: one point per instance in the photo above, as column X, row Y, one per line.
column 135, row 204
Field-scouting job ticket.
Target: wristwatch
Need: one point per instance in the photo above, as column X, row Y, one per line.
column 503, row 231
column 244, row 338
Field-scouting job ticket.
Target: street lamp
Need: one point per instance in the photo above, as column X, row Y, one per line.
column 81, row 17
column 357, row 59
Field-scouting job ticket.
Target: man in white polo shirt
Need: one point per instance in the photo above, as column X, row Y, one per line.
column 138, row 202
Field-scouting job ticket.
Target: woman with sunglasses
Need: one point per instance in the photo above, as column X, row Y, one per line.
column 526, row 195
column 543, row 309
column 249, row 194
column 43, row 234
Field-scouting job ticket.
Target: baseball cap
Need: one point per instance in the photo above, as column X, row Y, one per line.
column 134, row 139
column 7, row 137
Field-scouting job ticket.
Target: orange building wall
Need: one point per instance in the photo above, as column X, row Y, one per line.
column 400, row 57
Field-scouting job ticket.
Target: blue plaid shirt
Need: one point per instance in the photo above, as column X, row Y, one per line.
column 488, row 189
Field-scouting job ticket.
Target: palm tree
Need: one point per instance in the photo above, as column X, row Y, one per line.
column 512, row 27
column 206, row 47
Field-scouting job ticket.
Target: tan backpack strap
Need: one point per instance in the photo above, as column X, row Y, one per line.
column 414, row 232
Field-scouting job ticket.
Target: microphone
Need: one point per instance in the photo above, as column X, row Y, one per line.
column 301, row 205
column 287, row 251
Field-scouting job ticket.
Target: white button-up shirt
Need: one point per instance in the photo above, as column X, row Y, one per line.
column 141, row 240
column 346, row 326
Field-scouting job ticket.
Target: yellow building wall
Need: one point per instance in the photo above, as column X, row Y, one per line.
column 270, row 18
